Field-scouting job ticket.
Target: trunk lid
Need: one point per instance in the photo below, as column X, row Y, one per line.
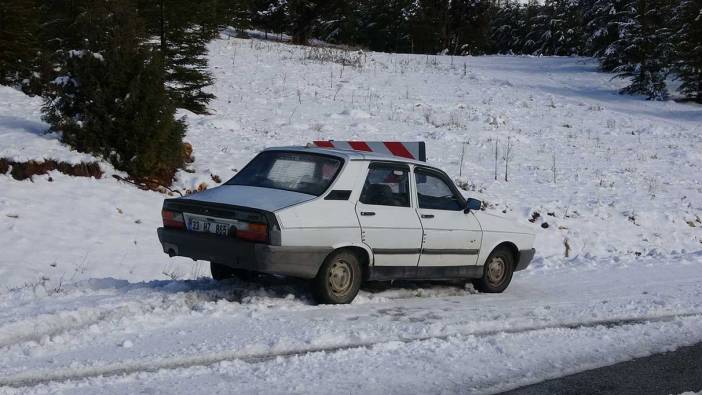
column 266, row 199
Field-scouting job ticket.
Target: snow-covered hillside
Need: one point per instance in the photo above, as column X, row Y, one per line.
column 627, row 171
column 616, row 178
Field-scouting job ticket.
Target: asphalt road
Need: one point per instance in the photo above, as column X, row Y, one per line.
column 668, row 373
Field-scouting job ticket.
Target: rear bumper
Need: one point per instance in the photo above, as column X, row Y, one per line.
column 525, row 257
column 303, row 262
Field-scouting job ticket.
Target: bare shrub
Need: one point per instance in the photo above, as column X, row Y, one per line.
column 340, row 56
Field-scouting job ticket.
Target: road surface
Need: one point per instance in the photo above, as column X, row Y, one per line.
column 667, row 373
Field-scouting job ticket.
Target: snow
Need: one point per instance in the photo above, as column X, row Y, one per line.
column 189, row 335
column 23, row 135
column 88, row 298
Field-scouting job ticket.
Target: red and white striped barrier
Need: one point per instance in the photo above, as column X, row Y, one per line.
column 406, row 149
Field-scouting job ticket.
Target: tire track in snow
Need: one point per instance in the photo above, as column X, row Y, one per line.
column 114, row 308
column 171, row 305
column 35, row 328
column 33, row 378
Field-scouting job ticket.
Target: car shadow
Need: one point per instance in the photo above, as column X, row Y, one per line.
column 383, row 286
column 270, row 289
column 206, row 289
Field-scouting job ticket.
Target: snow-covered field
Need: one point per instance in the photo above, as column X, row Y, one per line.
column 88, row 299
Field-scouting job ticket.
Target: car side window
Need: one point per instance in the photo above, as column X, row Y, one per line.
column 434, row 193
column 386, row 185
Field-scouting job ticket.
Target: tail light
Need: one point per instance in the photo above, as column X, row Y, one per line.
column 172, row 219
column 252, row 231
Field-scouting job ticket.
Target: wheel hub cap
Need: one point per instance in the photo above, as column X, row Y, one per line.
column 340, row 277
column 496, row 270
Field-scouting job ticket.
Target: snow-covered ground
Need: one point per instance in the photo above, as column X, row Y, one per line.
column 86, row 290
column 192, row 336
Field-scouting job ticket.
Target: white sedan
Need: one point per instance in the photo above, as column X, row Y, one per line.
column 340, row 217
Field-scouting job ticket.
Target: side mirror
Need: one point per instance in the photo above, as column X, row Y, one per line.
column 473, row 204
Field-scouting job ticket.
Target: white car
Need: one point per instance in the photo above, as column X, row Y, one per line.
column 341, row 217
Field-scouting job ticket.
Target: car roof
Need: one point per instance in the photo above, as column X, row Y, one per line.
column 351, row 154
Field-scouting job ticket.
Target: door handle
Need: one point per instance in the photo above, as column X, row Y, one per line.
column 367, row 213
column 427, row 215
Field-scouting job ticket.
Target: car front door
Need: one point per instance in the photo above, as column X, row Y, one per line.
column 389, row 224
column 451, row 237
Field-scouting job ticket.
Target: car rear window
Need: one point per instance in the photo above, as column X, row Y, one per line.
column 291, row 171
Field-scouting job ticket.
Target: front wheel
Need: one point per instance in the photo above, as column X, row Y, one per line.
column 339, row 278
column 497, row 272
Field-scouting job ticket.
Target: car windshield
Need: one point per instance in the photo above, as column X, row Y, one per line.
column 291, row 171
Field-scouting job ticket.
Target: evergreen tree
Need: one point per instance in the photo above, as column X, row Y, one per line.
column 19, row 44
column 182, row 31
column 645, row 47
column 571, row 29
column 58, row 32
column 469, row 26
column 538, row 32
column 605, row 24
column 269, row 15
column 237, row 14
column 507, row 28
column 557, row 29
column 110, row 98
column 613, row 55
column 384, row 25
column 209, row 17
column 429, row 25
column 304, row 17
column 340, row 23
column 687, row 39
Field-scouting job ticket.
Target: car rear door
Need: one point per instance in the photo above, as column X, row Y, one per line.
column 451, row 237
column 390, row 225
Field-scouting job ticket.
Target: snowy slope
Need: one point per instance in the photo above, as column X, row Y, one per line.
column 86, row 290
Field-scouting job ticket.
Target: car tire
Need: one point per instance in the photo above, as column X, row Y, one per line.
column 339, row 278
column 497, row 272
column 222, row 272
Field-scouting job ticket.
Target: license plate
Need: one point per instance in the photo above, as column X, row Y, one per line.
column 205, row 226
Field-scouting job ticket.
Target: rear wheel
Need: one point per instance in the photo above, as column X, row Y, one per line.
column 497, row 272
column 222, row 272
column 339, row 278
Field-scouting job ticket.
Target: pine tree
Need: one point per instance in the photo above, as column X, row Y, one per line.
column 532, row 20
column 180, row 28
column 557, row 29
column 58, row 35
column 110, row 98
column 185, row 60
column 605, row 24
column 539, row 33
column 269, row 15
column 469, row 27
column 646, row 49
column 687, row 39
column 19, row 44
column 304, row 17
column 237, row 14
column 384, row 26
column 209, row 18
column 572, row 38
column 339, row 24
column 429, row 25
column 155, row 149
column 622, row 20
column 507, row 28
